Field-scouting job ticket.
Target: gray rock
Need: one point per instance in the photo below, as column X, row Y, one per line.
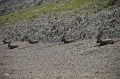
column 9, row 6
column 51, row 29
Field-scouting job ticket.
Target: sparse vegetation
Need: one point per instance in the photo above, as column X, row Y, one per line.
column 64, row 5
column 112, row 22
column 110, row 3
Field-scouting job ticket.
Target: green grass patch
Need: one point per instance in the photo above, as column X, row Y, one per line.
column 61, row 5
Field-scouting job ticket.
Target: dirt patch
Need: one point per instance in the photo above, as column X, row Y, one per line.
column 78, row 60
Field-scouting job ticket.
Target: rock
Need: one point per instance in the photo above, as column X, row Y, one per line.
column 6, row 74
column 8, row 6
column 49, row 29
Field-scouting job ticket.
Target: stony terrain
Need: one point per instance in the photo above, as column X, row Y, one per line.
column 78, row 60
column 51, row 59
column 51, row 27
column 9, row 6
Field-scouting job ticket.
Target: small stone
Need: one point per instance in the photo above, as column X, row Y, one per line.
column 6, row 74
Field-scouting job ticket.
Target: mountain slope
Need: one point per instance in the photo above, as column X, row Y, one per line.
column 51, row 27
column 50, row 58
column 10, row 6
column 78, row 60
column 77, row 6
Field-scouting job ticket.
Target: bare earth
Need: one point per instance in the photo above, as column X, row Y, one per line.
column 78, row 60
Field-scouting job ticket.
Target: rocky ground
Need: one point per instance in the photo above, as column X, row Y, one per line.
column 51, row 59
column 10, row 6
column 51, row 27
column 78, row 60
